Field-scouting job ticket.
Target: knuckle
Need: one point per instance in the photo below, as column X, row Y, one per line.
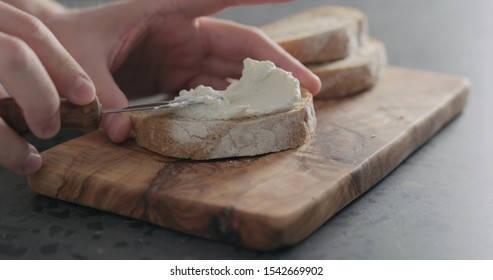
column 16, row 53
column 66, row 65
column 33, row 27
column 255, row 36
column 257, row 31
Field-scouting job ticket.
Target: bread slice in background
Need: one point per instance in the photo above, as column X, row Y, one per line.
column 358, row 72
column 322, row 34
column 168, row 135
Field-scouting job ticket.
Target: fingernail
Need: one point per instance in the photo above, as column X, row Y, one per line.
column 117, row 127
column 111, row 125
column 33, row 149
column 52, row 128
column 83, row 89
column 32, row 163
column 318, row 85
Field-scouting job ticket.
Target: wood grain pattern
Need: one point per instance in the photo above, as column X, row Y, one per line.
column 85, row 118
column 269, row 201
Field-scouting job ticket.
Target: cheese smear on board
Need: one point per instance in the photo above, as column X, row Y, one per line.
column 263, row 89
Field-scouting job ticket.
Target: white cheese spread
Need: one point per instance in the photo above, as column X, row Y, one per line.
column 263, row 89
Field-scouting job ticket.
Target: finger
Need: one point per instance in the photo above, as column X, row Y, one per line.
column 25, row 79
column 69, row 78
column 252, row 42
column 196, row 8
column 219, row 67
column 16, row 154
column 117, row 126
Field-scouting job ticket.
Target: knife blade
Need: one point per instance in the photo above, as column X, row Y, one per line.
column 85, row 118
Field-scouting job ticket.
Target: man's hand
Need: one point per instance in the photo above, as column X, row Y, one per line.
column 34, row 69
column 150, row 46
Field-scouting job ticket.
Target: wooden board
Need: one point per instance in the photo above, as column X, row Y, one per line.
column 269, row 201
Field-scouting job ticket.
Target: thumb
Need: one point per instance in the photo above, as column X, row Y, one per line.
column 116, row 125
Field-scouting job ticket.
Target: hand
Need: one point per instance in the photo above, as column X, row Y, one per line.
column 34, row 69
column 151, row 46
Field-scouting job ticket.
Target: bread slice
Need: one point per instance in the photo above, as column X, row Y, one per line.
column 321, row 34
column 359, row 71
column 166, row 134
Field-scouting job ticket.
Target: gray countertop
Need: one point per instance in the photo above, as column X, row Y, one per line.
column 436, row 204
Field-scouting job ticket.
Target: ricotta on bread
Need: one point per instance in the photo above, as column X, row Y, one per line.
column 265, row 111
column 321, row 34
column 262, row 89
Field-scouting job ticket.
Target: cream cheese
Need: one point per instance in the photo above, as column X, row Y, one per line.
column 263, row 89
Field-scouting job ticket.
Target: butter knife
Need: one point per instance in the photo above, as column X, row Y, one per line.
column 85, row 118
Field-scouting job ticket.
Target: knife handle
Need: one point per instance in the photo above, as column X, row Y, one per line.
column 85, row 118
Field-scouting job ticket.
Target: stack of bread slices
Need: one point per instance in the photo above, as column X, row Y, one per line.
column 333, row 42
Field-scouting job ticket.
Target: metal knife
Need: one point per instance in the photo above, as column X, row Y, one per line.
column 86, row 118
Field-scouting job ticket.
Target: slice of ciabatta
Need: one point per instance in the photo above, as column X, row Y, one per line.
column 321, row 34
column 164, row 133
column 358, row 72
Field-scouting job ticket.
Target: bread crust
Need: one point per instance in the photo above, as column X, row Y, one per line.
column 165, row 134
column 322, row 34
column 358, row 72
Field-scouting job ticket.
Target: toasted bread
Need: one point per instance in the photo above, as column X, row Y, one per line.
column 164, row 133
column 322, row 34
column 356, row 73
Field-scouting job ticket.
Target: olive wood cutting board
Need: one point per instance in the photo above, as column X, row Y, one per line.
column 263, row 202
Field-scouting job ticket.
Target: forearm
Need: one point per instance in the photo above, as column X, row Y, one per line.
column 39, row 8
